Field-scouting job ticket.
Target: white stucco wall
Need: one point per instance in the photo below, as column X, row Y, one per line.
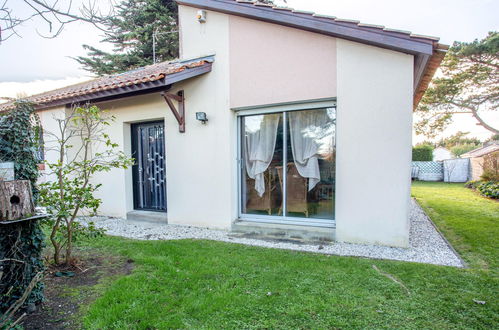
column 200, row 182
column 201, row 177
column 374, row 122
column 51, row 132
column 374, row 95
column 116, row 190
column 271, row 63
column 201, row 174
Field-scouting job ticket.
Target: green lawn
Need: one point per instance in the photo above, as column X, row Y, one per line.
column 204, row 284
column 469, row 221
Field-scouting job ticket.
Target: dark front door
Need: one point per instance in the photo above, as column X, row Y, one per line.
column 149, row 171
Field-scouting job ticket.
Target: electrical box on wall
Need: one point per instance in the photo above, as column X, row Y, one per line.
column 201, row 16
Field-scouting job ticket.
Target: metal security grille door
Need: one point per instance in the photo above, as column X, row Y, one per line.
column 149, row 171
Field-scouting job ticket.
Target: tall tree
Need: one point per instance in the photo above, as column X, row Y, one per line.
column 137, row 24
column 469, row 84
column 459, row 138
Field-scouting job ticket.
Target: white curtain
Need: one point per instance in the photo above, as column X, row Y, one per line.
column 304, row 126
column 261, row 133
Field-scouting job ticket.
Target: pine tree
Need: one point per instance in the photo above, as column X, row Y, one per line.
column 469, row 84
column 131, row 32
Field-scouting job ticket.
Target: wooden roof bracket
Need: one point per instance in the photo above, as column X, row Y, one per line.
column 180, row 114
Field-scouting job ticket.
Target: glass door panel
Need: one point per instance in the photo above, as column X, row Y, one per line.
column 261, row 153
column 288, row 165
column 311, row 153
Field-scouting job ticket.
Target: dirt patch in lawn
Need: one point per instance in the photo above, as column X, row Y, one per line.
column 66, row 296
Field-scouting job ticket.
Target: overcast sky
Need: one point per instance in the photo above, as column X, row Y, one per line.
column 35, row 59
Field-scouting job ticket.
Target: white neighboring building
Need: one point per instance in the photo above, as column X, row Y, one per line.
column 441, row 153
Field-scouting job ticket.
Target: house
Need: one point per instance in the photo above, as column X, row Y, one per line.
column 308, row 128
column 478, row 158
column 441, row 153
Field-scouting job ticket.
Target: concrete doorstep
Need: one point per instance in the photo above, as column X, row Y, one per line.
column 283, row 232
column 149, row 216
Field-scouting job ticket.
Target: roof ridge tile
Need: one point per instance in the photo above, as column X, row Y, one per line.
column 324, row 16
column 346, row 20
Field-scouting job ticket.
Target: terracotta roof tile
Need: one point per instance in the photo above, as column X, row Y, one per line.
column 137, row 76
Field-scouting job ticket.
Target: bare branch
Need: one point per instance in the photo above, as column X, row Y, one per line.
column 55, row 15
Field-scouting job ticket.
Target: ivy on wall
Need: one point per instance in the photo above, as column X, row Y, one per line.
column 21, row 243
column 20, row 136
column 21, row 246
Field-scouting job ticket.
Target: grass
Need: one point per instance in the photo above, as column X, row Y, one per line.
column 469, row 221
column 205, row 284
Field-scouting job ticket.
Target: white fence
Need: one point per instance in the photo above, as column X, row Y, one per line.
column 450, row 170
column 457, row 170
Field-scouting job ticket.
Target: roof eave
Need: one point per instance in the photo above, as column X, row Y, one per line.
column 426, row 50
column 125, row 91
column 424, row 71
column 309, row 22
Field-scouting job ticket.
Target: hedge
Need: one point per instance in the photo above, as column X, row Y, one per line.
column 422, row 153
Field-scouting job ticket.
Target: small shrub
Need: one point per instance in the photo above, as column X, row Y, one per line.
column 72, row 193
column 490, row 175
column 422, row 153
column 489, row 189
column 491, row 167
column 472, row 184
column 460, row 149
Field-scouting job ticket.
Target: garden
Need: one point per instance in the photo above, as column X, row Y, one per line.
column 205, row 284
column 77, row 277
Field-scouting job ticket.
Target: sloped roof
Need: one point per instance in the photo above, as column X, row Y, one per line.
column 482, row 151
column 152, row 76
column 428, row 53
column 426, row 49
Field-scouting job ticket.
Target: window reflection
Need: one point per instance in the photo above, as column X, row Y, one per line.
column 311, row 164
column 308, row 181
column 262, row 151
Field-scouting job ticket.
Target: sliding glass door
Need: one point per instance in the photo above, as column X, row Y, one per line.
column 288, row 166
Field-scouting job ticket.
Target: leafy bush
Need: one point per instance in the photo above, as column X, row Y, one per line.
column 460, row 149
column 21, row 246
column 21, row 243
column 489, row 189
column 81, row 132
column 491, row 167
column 20, row 140
column 472, row 184
column 490, row 175
column 457, row 139
column 422, row 153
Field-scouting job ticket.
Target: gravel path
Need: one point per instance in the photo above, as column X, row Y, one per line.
column 426, row 244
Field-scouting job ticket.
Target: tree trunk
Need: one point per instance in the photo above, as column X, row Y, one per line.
column 16, row 200
column 57, row 255
column 55, row 244
column 69, row 246
column 483, row 123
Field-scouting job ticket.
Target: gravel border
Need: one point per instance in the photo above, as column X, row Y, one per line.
column 426, row 245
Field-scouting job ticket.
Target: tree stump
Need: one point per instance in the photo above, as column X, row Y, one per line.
column 16, row 200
